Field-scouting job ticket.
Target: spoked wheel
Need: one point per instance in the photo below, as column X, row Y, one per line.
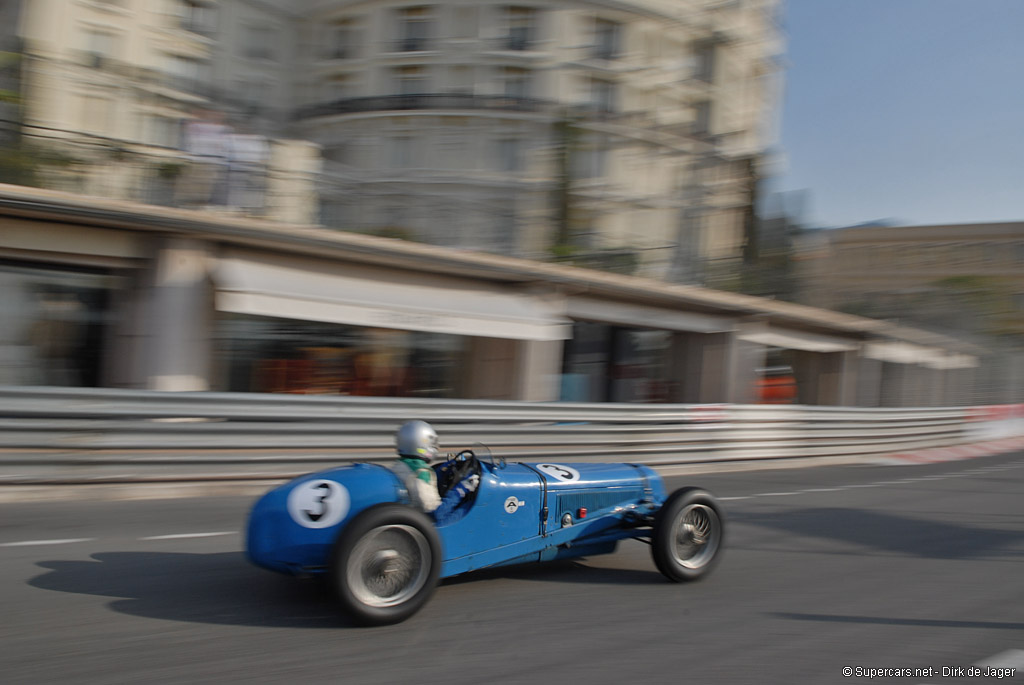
column 386, row 564
column 688, row 535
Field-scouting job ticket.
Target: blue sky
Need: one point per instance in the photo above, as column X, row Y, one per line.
column 910, row 111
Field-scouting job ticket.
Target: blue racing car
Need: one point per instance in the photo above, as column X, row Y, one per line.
column 383, row 555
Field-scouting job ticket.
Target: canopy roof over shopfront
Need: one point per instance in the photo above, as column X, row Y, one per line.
column 315, row 290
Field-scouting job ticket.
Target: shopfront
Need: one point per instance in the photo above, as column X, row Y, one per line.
column 266, row 354
column 607, row 363
column 306, row 326
column 54, row 320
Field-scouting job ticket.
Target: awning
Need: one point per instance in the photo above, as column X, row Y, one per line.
column 311, row 290
column 798, row 340
column 906, row 353
column 643, row 316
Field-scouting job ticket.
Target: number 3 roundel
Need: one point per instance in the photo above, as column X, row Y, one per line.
column 318, row 503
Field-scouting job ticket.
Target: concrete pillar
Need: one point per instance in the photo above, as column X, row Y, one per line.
column 500, row 369
column 488, row 371
column 708, row 368
column 176, row 338
column 869, row 382
column 826, row 378
column 538, row 370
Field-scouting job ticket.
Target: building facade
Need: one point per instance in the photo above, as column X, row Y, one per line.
column 965, row 280
column 134, row 296
column 621, row 135
column 145, row 101
column 616, row 134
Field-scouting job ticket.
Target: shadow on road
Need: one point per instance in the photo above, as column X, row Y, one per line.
column 896, row 534
column 217, row 588
column 565, row 571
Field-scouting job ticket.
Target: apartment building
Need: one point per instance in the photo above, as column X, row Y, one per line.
column 609, row 132
column 140, row 100
column 966, row 280
column 619, row 135
column 884, row 270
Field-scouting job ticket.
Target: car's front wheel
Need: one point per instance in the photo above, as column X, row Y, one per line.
column 688, row 535
column 386, row 564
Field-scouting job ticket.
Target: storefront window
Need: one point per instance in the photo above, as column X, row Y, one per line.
column 604, row 363
column 53, row 321
column 263, row 354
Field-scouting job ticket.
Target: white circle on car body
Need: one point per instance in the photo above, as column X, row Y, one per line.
column 512, row 505
column 318, row 503
column 566, row 474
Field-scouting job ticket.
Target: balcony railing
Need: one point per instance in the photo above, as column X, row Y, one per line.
column 384, row 103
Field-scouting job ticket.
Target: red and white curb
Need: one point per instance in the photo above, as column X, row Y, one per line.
column 934, row 455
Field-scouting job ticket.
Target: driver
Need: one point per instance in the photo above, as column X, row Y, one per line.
column 416, row 442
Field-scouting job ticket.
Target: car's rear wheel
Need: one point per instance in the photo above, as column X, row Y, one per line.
column 386, row 564
column 688, row 535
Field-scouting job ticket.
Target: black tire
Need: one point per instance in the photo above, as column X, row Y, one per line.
column 386, row 564
column 689, row 533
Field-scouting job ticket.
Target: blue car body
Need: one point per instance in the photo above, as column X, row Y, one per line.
column 520, row 513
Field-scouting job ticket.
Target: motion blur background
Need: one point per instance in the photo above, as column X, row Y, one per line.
column 635, row 138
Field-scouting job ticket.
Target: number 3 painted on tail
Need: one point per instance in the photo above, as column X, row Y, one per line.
column 565, row 474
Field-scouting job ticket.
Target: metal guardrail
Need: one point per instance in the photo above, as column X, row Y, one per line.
column 58, row 435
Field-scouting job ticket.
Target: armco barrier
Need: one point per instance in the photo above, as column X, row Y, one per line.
column 58, row 435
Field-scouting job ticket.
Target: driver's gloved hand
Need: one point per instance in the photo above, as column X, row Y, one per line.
column 467, row 486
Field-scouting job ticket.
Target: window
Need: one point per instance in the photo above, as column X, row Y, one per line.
column 589, row 162
column 521, row 27
column 338, row 88
column 96, row 114
column 410, row 81
column 259, row 43
column 341, row 40
column 401, row 152
column 702, row 117
column 189, row 74
column 517, row 83
column 461, row 80
column 197, row 17
column 704, row 62
column 100, row 47
column 509, row 155
column 602, row 95
column 263, row 354
column 606, row 39
column 163, row 131
column 414, row 29
column 53, row 323
column 465, row 22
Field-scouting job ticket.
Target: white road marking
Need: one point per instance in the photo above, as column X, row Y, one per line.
column 919, row 479
column 1011, row 658
column 179, row 536
column 32, row 543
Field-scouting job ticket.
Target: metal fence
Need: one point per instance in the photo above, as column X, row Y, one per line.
column 57, row 435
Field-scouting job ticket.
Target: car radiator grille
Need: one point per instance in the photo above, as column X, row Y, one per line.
column 593, row 500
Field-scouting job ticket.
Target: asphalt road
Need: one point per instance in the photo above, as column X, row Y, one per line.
column 866, row 567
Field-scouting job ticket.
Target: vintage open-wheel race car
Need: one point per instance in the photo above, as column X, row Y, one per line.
column 383, row 555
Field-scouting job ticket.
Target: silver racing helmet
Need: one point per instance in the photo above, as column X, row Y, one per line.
column 417, row 439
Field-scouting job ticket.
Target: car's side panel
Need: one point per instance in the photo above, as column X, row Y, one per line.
column 293, row 527
column 496, row 532
column 507, row 510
